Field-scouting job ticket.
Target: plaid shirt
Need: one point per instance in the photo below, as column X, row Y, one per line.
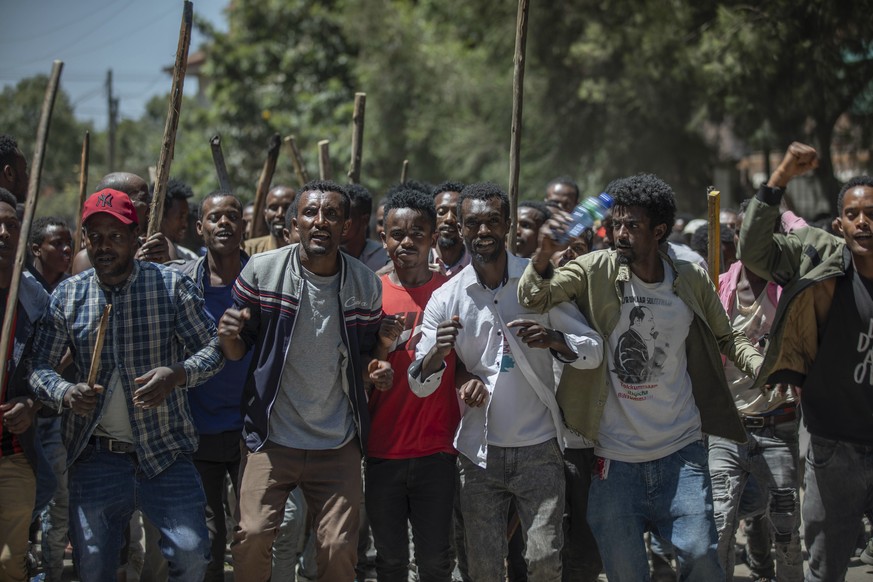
column 157, row 318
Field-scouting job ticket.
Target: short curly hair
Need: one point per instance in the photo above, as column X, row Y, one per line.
column 414, row 200
column 324, row 186
column 484, row 191
column 9, row 149
column 40, row 227
column 865, row 181
column 447, row 187
column 649, row 192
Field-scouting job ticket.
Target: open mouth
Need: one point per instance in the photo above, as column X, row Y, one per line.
column 223, row 235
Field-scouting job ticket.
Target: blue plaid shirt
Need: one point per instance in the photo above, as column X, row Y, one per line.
column 157, row 319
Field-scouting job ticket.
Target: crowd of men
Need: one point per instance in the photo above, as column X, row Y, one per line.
column 480, row 412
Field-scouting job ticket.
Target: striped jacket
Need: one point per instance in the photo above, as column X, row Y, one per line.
column 270, row 285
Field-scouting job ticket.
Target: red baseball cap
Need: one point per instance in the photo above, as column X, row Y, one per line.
column 112, row 202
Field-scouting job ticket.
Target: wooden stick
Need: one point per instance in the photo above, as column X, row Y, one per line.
column 220, row 166
column 713, row 199
column 324, row 171
column 259, row 227
column 404, row 171
column 83, row 191
column 517, row 106
column 98, row 345
column 357, row 137
column 297, row 161
column 168, row 142
column 45, row 118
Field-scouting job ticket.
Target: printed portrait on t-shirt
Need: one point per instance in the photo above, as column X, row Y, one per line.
column 638, row 358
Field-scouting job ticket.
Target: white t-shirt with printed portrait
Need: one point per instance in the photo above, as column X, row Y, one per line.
column 650, row 411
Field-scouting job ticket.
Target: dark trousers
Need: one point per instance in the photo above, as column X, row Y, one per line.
column 580, row 556
column 217, row 457
column 420, row 491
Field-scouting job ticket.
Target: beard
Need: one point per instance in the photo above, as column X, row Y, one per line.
column 445, row 242
column 486, row 256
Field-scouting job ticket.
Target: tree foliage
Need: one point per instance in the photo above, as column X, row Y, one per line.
column 612, row 87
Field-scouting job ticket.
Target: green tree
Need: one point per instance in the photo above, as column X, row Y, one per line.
column 797, row 66
column 20, row 108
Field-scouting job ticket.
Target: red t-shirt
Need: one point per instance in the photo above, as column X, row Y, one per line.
column 404, row 426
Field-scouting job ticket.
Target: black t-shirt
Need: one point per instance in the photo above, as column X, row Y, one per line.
column 837, row 397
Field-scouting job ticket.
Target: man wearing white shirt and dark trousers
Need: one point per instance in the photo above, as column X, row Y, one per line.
column 511, row 431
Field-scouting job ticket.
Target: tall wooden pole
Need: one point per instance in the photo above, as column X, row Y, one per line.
column 45, row 118
column 259, row 227
column 404, row 171
column 112, row 125
column 83, row 191
column 168, row 142
column 357, row 137
column 297, row 161
column 713, row 199
column 517, row 106
column 220, row 165
column 324, row 171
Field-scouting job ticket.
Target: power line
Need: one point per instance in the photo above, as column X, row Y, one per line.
column 80, row 38
column 60, row 27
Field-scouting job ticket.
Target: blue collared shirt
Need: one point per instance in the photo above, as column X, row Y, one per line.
column 157, row 319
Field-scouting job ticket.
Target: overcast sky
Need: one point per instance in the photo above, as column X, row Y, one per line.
column 134, row 38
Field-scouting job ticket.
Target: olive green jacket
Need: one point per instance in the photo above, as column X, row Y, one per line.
column 806, row 264
column 594, row 282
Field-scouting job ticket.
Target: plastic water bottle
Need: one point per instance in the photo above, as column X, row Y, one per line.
column 587, row 214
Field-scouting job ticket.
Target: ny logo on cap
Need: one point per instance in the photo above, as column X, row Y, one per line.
column 104, row 200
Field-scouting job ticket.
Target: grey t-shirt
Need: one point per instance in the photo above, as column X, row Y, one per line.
column 312, row 410
column 115, row 422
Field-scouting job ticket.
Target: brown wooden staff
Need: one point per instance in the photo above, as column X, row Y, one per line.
column 259, row 227
column 168, row 142
column 45, row 118
column 713, row 199
column 98, row 345
column 220, row 166
column 404, row 171
column 517, row 106
column 324, row 171
column 297, row 161
column 357, row 137
column 83, row 191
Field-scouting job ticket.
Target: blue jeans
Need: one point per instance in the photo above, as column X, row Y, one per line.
column 422, row 492
column 770, row 455
column 106, row 488
column 534, row 477
column 839, row 489
column 55, row 515
column 672, row 497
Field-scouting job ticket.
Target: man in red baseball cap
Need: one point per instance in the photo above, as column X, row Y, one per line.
column 129, row 436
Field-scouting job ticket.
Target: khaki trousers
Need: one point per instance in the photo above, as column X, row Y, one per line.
column 331, row 484
column 17, row 497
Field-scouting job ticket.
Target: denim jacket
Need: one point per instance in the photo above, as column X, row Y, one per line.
column 32, row 301
column 595, row 282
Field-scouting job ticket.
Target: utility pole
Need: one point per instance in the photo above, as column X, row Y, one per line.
column 112, row 103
